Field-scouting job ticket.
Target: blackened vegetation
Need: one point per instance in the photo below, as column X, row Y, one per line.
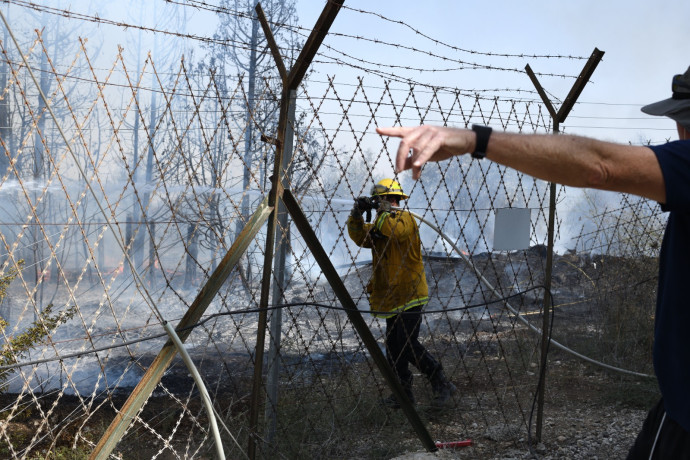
column 329, row 388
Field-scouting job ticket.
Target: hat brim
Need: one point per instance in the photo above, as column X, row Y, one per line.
column 676, row 109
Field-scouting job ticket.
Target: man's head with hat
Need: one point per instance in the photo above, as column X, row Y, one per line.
column 677, row 107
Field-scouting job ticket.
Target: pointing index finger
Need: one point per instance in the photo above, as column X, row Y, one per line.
column 401, row 162
column 397, row 131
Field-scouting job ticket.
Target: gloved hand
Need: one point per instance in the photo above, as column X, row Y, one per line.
column 356, row 212
column 363, row 204
column 384, row 206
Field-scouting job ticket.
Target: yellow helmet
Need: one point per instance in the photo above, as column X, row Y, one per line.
column 388, row 187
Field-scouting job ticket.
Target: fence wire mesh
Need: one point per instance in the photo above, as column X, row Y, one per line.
column 178, row 163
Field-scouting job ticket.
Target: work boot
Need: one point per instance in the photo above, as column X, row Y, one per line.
column 392, row 401
column 442, row 389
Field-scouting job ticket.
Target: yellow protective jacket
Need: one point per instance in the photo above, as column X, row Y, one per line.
column 398, row 281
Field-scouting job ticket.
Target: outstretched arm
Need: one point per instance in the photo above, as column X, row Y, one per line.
column 569, row 160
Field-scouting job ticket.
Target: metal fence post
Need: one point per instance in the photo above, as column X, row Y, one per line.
column 291, row 80
column 276, row 321
column 558, row 118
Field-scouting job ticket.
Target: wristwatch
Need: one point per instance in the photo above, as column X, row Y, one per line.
column 483, row 134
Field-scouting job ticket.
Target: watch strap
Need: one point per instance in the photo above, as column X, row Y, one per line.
column 483, row 133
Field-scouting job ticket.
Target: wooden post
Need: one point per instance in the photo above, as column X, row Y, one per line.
column 154, row 373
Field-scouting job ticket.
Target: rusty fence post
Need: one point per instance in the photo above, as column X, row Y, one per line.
column 558, row 117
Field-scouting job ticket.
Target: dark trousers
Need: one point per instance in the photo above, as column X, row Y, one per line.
column 672, row 442
column 403, row 347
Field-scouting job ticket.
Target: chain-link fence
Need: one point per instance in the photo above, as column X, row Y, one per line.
column 122, row 196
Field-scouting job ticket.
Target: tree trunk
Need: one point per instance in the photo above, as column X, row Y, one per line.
column 249, row 128
column 152, row 255
column 5, row 130
column 192, row 253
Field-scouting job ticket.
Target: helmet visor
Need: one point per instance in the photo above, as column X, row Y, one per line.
column 379, row 189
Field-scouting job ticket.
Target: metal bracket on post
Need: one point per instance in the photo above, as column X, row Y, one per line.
column 269, row 140
column 558, row 118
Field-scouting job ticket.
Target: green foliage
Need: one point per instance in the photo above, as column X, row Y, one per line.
column 64, row 453
column 5, row 281
column 16, row 347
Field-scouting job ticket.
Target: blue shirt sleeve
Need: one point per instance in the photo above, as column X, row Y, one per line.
column 674, row 159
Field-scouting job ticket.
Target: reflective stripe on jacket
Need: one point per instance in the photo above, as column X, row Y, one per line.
column 398, row 281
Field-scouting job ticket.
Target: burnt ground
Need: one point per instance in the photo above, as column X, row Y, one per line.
column 589, row 412
column 604, row 310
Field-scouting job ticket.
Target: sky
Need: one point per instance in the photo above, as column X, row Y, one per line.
column 645, row 44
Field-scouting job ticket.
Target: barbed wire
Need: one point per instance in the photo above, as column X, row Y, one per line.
column 121, row 24
column 276, row 78
column 200, row 4
column 386, row 75
column 296, row 29
column 486, row 350
column 426, row 88
column 394, row 77
column 464, row 65
column 463, row 50
column 222, row 97
column 424, row 312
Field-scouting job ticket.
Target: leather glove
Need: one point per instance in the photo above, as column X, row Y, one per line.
column 384, row 206
column 363, row 204
column 356, row 212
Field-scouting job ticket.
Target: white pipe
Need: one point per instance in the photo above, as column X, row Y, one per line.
column 202, row 388
column 517, row 313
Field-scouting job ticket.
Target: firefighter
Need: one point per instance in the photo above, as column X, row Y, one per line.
column 398, row 289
